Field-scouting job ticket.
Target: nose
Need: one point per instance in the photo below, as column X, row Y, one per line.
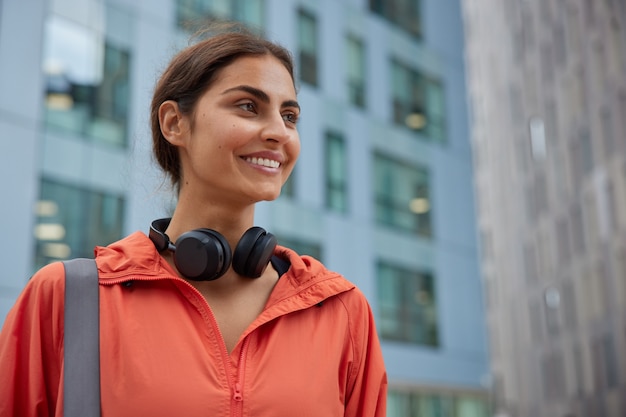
column 276, row 129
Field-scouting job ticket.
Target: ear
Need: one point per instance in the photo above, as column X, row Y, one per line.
column 174, row 125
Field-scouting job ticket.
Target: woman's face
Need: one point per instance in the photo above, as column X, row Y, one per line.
column 242, row 143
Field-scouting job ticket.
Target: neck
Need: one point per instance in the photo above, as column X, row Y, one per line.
column 229, row 222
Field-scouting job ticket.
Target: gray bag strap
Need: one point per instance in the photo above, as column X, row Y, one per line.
column 81, row 384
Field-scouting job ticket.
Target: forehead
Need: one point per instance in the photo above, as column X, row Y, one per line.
column 261, row 71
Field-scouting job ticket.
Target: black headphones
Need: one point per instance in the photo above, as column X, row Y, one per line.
column 205, row 255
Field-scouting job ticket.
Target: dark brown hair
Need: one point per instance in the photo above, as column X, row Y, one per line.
column 192, row 71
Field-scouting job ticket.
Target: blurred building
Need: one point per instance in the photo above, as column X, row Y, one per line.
column 548, row 107
column 382, row 192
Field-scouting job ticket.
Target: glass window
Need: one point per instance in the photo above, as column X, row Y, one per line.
column 621, row 116
column 356, row 71
column 418, row 102
column 612, row 206
column 610, row 362
column 307, row 40
column 576, row 159
column 530, row 261
column 302, row 247
column 249, row 12
column 579, row 239
column 407, row 302
column 551, row 308
column 535, row 320
column 537, row 138
column 586, row 151
column 563, row 238
column 570, row 312
column 432, row 404
column 579, row 371
column 336, row 173
column 467, row 406
column 87, row 83
column 608, row 134
column 435, row 110
column 547, row 63
column 404, row 13
column 552, row 373
column 560, row 43
column 191, row 14
column 398, row 404
column 573, row 30
column 402, row 195
column 71, row 221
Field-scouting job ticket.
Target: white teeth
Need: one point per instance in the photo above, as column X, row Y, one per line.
column 263, row 162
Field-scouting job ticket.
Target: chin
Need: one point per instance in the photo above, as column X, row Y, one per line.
column 271, row 197
column 267, row 194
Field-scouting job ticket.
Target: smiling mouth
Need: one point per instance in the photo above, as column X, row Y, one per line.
column 264, row 162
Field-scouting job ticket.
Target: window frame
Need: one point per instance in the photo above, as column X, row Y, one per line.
column 418, row 101
column 92, row 105
column 405, row 14
column 401, row 318
column 389, row 208
column 83, row 216
column 192, row 15
column 336, row 183
column 308, row 61
column 356, row 80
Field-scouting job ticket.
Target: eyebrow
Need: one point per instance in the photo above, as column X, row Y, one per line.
column 261, row 95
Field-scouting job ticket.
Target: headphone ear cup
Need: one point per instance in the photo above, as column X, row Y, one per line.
column 202, row 255
column 253, row 252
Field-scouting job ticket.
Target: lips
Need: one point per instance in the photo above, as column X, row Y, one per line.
column 264, row 162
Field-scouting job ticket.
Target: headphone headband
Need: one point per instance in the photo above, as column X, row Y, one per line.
column 157, row 233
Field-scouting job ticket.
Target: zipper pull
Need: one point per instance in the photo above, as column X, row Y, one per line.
column 238, row 396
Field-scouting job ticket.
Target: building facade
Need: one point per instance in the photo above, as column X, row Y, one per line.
column 382, row 192
column 548, row 108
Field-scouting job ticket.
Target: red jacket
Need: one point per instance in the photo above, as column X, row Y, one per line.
column 313, row 351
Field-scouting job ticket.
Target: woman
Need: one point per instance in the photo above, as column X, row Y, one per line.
column 206, row 316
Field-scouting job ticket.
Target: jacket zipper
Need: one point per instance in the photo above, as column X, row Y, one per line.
column 236, row 380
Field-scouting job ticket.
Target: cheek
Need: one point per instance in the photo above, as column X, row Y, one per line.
column 294, row 152
column 296, row 148
column 235, row 135
column 224, row 139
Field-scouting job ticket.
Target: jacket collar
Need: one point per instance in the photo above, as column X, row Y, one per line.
column 136, row 255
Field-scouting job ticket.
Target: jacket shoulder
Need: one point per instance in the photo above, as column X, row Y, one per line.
column 31, row 344
column 42, row 297
column 47, row 281
column 368, row 376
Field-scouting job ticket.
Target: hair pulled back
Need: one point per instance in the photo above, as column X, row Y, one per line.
column 192, row 71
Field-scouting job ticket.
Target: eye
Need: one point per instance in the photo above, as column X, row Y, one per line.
column 290, row 117
column 247, row 106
